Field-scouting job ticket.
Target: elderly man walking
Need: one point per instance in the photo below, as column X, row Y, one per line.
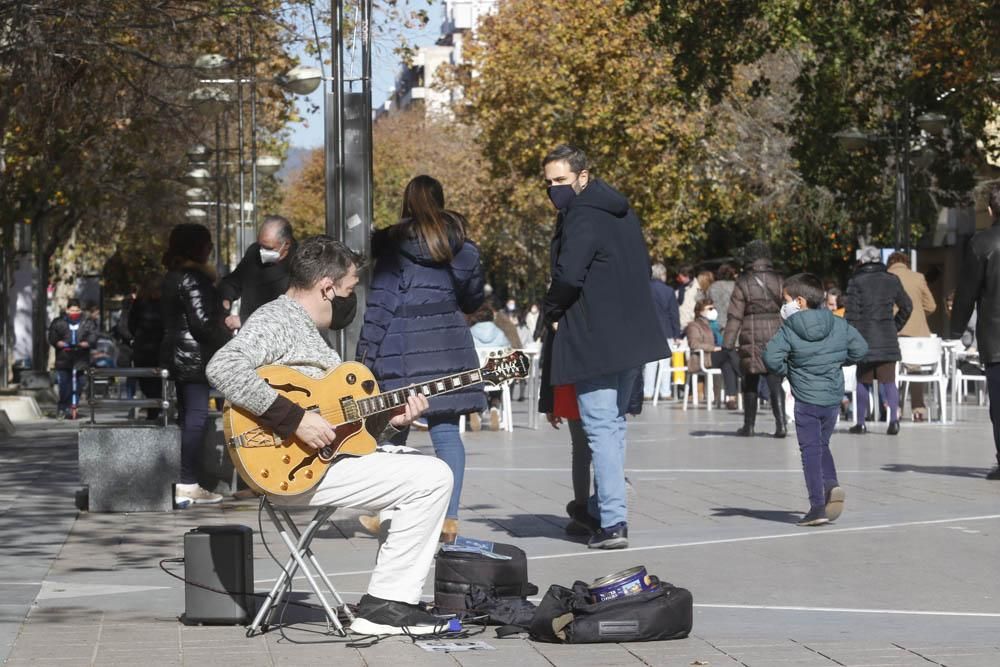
column 600, row 282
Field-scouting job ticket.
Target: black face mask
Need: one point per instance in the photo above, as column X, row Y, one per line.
column 344, row 309
column 561, row 195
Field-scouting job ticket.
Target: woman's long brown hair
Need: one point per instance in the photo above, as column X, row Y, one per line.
column 423, row 203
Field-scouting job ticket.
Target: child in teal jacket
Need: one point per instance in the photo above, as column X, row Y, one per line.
column 810, row 349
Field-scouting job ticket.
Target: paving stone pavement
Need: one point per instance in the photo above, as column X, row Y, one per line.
column 907, row 575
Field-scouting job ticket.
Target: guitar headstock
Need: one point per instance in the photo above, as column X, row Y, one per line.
column 501, row 368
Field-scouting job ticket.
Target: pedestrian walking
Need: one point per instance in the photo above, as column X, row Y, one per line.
column 979, row 292
column 427, row 276
column 878, row 307
column 754, row 317
column 599, row 321
column 810, row 349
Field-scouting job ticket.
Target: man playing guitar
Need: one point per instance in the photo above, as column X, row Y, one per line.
column 416, row 488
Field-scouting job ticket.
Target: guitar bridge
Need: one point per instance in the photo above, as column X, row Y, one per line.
column 257, row 437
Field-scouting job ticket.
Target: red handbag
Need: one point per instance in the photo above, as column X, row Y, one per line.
column 564, row 402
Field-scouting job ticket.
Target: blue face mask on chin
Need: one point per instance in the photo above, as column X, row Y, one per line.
column 561, row 196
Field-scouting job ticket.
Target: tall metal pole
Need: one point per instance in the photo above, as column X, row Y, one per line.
column 253, row 132
column 5, row 272
column 220, row 246
column 242, row 235
column 906, row 180
column 334, row 144
column 227, row 198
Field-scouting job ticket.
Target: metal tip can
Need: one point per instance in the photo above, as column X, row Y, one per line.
column 621, row 584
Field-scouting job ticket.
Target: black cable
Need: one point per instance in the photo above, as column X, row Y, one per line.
column 220, row 590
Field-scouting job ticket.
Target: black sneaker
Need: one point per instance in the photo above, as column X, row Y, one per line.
column 994, row 474
column 613, row 537
column 580, row 520
column 858, row 429
column 814, row 517
column 893, row 428
column 376, row 616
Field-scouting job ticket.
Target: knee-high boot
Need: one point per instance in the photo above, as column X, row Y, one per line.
column 778, row 408
column 749, row 414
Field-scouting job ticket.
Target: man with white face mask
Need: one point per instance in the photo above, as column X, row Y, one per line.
column 262, row 275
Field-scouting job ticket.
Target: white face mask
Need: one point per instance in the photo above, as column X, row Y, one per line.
column 711, row 314
column 269, row 256
column 789, row 309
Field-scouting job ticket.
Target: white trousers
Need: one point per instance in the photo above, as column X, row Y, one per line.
column 649, row 379
column 411, row 489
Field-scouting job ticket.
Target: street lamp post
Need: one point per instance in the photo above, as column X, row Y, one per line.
column 348, row 120
column 901, row 139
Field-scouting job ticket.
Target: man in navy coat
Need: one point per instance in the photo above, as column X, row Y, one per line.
column 600, row 316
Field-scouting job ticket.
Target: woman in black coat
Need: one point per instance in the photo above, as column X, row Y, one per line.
column 426, row 275
column 873, row 294
column 194, row 329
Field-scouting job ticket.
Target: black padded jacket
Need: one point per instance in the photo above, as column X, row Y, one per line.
column 193, row 322
column 979, row 291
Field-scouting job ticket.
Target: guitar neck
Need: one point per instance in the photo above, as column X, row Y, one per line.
column 391, row 400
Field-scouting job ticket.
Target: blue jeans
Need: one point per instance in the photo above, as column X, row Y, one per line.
column 603, row 401
column 814, row 426
column 449, row 448
column 192, row 412
column 649, row 379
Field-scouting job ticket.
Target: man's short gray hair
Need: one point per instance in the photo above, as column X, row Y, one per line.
column 281, row 225
column 659, row 272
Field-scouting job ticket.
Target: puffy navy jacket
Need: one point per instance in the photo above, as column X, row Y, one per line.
column 414, row 328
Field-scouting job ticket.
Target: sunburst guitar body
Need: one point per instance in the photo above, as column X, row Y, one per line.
column 345, row 397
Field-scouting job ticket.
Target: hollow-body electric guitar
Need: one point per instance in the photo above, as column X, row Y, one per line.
column 345, row 397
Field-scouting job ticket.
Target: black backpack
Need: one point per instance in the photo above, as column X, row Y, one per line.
column 566, row 615
column 456, row 573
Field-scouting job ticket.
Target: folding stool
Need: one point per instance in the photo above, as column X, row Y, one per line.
column 300, row 552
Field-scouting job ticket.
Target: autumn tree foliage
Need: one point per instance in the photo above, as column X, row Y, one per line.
column 540, row 76
column 872, row 65
column 95, row 121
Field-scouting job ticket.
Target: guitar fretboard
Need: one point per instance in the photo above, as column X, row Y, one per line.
column 394, row 399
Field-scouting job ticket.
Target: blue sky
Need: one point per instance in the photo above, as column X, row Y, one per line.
column 385, row 65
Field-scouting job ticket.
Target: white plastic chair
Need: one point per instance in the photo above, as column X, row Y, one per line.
column 692, row 383
column 961, row 380
column 926, row 355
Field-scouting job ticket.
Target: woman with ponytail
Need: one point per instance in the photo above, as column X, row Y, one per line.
column 426, row 275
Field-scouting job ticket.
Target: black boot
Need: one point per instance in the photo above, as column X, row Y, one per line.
column 778, row 408
column 749, row 414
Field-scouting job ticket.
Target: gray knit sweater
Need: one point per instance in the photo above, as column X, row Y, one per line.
column 279, row 332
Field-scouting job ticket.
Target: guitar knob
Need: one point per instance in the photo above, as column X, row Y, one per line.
column 309, row 474
column 265, row 473
column 284, row 486
column 286, row 459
